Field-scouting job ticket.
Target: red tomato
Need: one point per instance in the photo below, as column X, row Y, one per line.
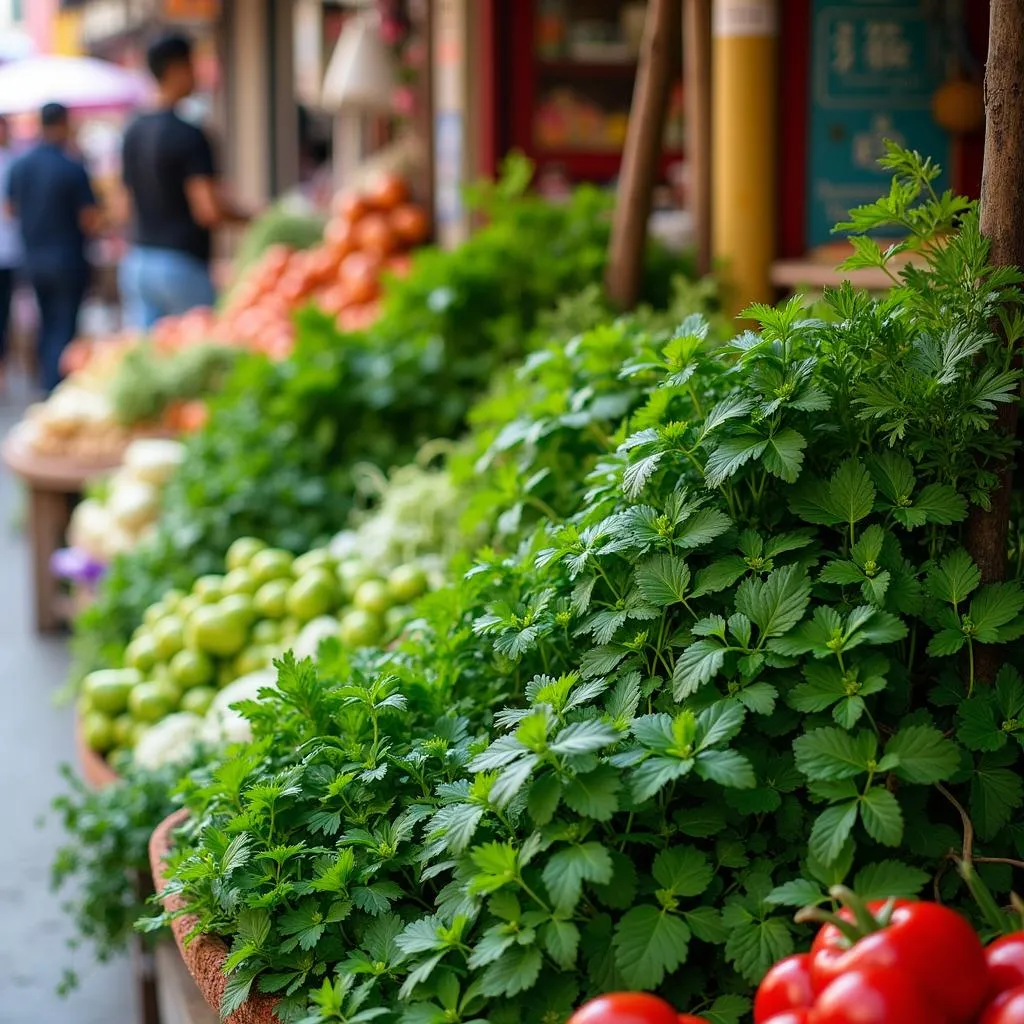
column 625, row 1008
column 928, row 944
column 1005, row 958
column 878, row 995
column 802, row 1016
column 1007, row 1008
column 787, row 986
column 373, row 234
column 689, row 1018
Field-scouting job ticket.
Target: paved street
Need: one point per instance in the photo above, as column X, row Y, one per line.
column 35, row 738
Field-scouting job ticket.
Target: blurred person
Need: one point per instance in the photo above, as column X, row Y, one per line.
column 48, row 190
column 171, row 180
column 10, row 245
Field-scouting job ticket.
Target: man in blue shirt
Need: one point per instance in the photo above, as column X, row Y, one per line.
column 49, row 192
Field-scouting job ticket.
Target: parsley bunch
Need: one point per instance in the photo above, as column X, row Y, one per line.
column 730, row 668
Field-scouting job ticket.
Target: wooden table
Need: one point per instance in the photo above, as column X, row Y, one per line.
column 53, row 486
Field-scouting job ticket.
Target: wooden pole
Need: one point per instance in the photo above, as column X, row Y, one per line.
column 1002, row 222
column 697, row 93
column 643, row 147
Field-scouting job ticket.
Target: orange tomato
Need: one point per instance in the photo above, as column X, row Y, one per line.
column 387, row 191
column 410, row 223
column 399, row 265
column 358, row 317
column 374, row 234
column 350, row 206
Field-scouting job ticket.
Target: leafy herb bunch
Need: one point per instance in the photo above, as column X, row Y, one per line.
column 739, row 672
column 275, row 459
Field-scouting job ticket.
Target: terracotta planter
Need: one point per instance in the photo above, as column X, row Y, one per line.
column 204, row 956
column 94, row 768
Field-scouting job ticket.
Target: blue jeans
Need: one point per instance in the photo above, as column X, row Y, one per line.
column 59, row 298
column 155, row 283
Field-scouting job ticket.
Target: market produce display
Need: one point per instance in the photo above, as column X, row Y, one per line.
column 275, row 459
column 230, row 626
column 727, row 657
column 368, row 236
column 120, row 512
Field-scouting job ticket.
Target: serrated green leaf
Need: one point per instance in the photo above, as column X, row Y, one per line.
column 515, row 972
column 544, row 798
column 683, row 871
column 799, row 893
column 777, row 603
column 832, row 754
column 954, row 579
column 595, row 794
column 883, row 819
column 993, row 606
column 755, row 946
column 977, row 727
column 562, row 939
column 730, row 455
column 784, row 456
column 831, row 830
column 851, row 492
column 566, row 871
column 727, row 1009
column 649, row 943
column 889, row 878
column 697, row 665
column 997, row 791
column 922, row 755
column 727, row 768
column 706, row 924
column 663, row 580
column 719, row 576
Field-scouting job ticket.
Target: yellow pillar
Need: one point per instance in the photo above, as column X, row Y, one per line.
column 743, row 147
column 67, row 33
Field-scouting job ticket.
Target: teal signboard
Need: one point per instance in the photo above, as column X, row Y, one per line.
column 874, row 69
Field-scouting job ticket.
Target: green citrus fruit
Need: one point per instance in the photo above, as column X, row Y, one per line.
column 241, row 552
column 373, row 596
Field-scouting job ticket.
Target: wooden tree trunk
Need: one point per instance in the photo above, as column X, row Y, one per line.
column 1002, row 222
column 662, row 30
column 697, row 93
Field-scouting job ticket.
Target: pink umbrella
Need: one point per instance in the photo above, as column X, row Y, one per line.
column 80, row 83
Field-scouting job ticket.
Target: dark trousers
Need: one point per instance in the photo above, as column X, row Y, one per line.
column 59, row 299
column 6, row 293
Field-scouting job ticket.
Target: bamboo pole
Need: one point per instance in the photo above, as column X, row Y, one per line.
column 662, row 30
column 697, row 93
column 1002, row 222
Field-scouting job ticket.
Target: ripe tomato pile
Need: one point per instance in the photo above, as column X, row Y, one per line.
column 369, row 235
column 892, row 962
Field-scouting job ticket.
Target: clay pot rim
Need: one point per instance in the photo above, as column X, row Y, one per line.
column 204, row 956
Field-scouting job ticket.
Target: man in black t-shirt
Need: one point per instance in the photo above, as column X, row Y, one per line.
column 171, row 178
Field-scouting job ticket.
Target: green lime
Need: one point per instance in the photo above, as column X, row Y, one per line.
column 209, row 589
column 216, row 631
column 153, row 614
column 192, row 667
column 266, row 631
column 290, row 629
column 169, row 636
column 241, row 552
column 142, row 653
column 188, row 604
column 317, row 558
column 271, row 564
column 124, row 730
column 352, row 575
column 271, row 600
column 149, row 702
column 198, row 700
column 360, row 628
column 311, row 595
column 406, row 583
column 373, row 596
column 107, row 689
column 172, row 599
column 238, row 606
column 226, row 674
column 239, row 581
column 98, row 732
column 252, row 659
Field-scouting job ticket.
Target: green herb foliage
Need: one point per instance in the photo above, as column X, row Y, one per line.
column 736, row 672
column 274, row 460
column 522, row 459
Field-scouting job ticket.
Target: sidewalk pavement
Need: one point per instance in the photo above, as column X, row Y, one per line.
column 35, row 738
